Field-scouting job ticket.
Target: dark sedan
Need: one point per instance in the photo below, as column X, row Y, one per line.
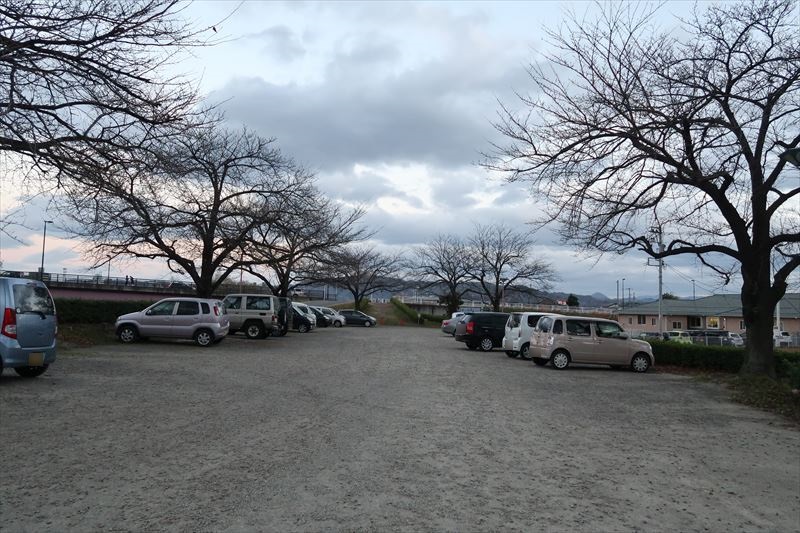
column 357, row 318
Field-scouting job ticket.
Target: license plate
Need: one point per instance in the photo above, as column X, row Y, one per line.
column 36, row 359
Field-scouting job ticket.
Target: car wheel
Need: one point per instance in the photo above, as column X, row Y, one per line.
column 538, row 361
column 560, row 360
column 511, row 354
column 337, row 324
column 204, row 338
column 30, row 371
column 302, row 328
column 368, row 324
column 127, row 334
column 640, row 362
column 472, row 346
column 283, row 332
column 254, row 330
column 523, row 351
column 486, row 344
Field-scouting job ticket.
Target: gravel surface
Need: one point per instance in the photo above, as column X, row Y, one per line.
column 380, row 429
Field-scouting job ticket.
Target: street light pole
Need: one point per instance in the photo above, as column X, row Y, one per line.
column 693, row 296
column 44, row 238
column 623, row 294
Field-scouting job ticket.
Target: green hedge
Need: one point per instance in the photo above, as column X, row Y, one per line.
column 722, row 358
column 75, row 311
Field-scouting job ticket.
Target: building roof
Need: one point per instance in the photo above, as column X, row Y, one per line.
column 715, row 305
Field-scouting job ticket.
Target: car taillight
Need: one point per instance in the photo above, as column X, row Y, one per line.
column 445, row 322
column 9, row 328
column 470, row 328
column 216, row 311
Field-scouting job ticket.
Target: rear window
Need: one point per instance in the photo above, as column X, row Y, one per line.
column 188, row 308
column 33, row 299
column 533, row 319
column 513, row 320
column 205, row 308
column 579, row 328
column 544, row 324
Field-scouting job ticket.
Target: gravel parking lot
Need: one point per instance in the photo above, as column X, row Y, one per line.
column 380, row 429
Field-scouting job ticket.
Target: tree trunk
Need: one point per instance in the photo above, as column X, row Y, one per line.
column 758, row 308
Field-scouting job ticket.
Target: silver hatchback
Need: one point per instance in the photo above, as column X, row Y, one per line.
column 205, row 321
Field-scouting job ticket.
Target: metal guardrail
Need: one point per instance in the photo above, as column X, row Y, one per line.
column 477, row 304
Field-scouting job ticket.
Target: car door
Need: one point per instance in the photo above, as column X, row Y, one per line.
column 186, row 319
column 157, row 320
column 612, row 344
column 581, row 340
column 234, row 306
column 511, row 331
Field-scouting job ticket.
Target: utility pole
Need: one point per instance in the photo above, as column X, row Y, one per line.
column 623, row 294
column 660, row 283
column 617, row 294
column 693, row 293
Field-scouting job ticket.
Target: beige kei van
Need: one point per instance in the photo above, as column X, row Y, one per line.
column 562, row 340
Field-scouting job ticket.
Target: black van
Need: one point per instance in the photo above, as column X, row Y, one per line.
column 482, row 330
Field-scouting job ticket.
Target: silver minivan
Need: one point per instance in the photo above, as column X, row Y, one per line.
column 562, row 340
column 205, row 321
column 28, row 333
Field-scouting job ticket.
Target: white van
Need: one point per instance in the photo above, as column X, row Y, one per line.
column 519, row 329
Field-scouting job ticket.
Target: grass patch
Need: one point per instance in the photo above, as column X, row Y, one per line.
column 82, row 335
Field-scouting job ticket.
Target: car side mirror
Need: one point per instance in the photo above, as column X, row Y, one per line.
column 623, row 335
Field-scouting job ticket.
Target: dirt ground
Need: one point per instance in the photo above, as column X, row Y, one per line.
column 380, row 429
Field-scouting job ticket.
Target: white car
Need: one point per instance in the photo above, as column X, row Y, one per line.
column 781, row 338
column 335, row 318
column 519, row 329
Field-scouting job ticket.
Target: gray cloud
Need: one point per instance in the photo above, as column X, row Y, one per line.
column 281, row 43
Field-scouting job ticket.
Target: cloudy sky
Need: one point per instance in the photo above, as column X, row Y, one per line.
column 391, row 105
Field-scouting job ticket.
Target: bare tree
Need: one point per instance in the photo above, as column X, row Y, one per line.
column 501, row 258
column 289, row 250
column 637, row 134
column 444, row 262
column 78, row 77
column 360, row 269
column 191, row 202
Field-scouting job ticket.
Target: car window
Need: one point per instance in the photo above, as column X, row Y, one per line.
column 558, row 327
column 188, row 308
column 205, row 308
column 513, row 320
column 544, row 324
column 33, row 298
column 258, row 303
column 233, row 302
column 162, row 308
column 580, row 328
column 607, row 329
column 326, row 311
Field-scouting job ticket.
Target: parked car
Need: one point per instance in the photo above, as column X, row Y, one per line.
column 254, row 314
column 781, row 338
column 654, row 335
column 563, row 340
column 322, row 319
column 204, row 320
column 682, row 337
column 304, row 309
column 357, row 318
column 335, row 318
column 716, row 338
column 518, row 332
column 449, row 324
column 300, row 321
column 483, row 330
column 28, row 332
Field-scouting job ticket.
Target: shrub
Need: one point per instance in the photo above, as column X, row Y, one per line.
column 407, row 311
column 76, row 311
column 722, row 358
